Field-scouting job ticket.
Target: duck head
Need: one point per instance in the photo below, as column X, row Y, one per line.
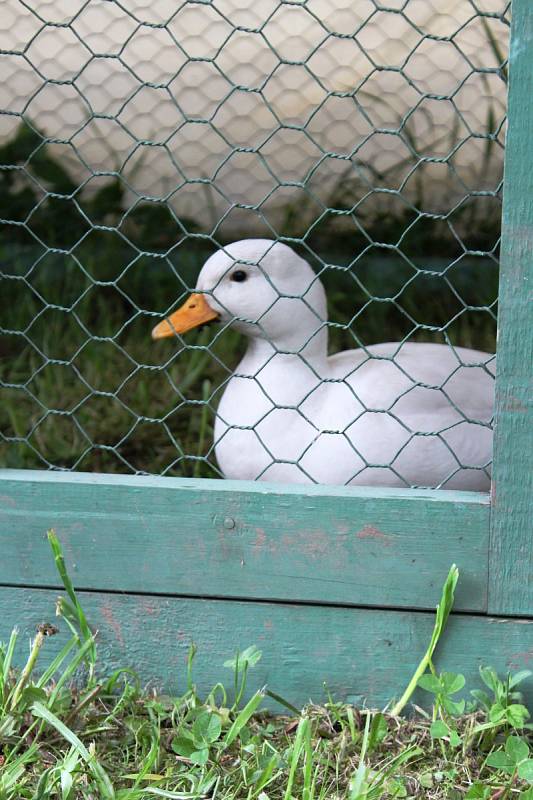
column 263, row 289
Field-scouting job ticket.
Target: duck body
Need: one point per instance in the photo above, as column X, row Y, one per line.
column 392, row 414
column 361, row 417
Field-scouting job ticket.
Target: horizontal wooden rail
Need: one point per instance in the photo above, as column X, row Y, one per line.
column 208, row 538
column 360, row 654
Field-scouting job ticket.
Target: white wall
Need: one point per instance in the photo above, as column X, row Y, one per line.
column 360, row 70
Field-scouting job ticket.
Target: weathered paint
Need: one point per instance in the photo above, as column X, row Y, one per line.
column 359, row 653
column 511, row 548
column 245, row 540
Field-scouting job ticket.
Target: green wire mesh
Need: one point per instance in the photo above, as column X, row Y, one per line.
column 137, row 138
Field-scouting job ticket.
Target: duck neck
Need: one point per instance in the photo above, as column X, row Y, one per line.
column 261, row 351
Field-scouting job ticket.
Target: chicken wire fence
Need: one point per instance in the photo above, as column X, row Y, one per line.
column 138, row 139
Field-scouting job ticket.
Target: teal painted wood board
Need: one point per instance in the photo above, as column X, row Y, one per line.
column 359, row 653
column 511, row 586
column 245, row 540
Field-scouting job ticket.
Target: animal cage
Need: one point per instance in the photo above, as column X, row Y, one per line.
column 358, row 149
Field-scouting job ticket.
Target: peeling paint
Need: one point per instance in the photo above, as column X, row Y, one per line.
column 107, row 613
column 316, row 543
column 370, row 532
column 526, row 656
column 148, row 607
column 260, row 539
column 519, row 660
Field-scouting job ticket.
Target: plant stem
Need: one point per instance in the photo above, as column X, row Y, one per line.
column 411, row 686
column 28, row 669
column 441, row 617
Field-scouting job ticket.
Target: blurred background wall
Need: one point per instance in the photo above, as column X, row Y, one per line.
column 272, row 106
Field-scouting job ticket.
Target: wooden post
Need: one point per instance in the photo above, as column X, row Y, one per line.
column 511, row 543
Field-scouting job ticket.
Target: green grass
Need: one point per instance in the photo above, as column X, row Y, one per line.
column 69, row 732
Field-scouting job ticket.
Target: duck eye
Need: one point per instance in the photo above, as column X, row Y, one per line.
column 239, row 276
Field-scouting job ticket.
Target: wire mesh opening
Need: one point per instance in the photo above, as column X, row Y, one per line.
column 139, row 140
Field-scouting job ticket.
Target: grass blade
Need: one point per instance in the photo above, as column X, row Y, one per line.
column 71, row 668
column 81, row 619
column 243, row 717
column 56, row 663
column 100, row 775
column 302, row 734
column 281, row 700
column 7, row 661
column 358, row 781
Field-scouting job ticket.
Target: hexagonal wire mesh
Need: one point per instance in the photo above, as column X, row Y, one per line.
column 138, row 138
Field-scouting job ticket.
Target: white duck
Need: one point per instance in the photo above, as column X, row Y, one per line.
column 395, row 414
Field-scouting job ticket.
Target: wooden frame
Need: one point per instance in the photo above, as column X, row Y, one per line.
column 335, row 584
column 245, row 540
column 511, row 590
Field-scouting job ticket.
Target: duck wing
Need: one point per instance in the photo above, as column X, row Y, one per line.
column 427, row 411
column 415, row 379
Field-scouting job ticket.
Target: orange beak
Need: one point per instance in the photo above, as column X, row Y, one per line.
column 194, row 312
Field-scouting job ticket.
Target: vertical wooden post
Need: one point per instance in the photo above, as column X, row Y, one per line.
column 511, row 544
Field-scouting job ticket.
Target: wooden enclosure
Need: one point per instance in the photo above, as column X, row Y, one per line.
column 334, row 585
